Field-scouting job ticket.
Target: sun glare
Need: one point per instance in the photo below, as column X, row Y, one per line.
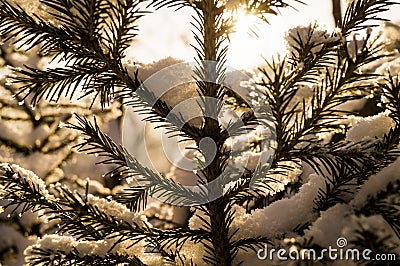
column 245, row 22
column 249, row 41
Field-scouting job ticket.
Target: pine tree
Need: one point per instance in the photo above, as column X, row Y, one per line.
column 309, row 170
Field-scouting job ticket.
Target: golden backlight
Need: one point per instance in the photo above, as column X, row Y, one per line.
column 251, row 39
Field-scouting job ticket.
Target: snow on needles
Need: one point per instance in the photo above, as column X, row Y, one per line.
column 327, row 228
column 35, row 183
column 101, row 248
column 376, row 184
column 309, row 36
column 299, row 208
column 117, row 210
column 370, row 127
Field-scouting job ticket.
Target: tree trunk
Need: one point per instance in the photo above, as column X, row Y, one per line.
column 337, row 12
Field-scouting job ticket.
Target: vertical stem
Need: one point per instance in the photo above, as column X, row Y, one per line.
column 217, row 209
column 337, row 12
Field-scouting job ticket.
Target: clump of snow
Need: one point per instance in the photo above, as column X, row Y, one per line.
column 370, row 127
column 100, row 248
column 153, row 259
column 376, row 184
column 147, row 70
column 32, row 179
column 95, row 187
column 248, row 160
column 288, row 172
column 56, row 243
column 299, row 208
column 311, row 35
column 116, row 210
column 392, row 65
column 391, row 35
column 327, row 228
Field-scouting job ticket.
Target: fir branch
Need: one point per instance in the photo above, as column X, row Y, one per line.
column 338, row 185
column 41, row 256
column 97, row 142
column 134, row 198
column 28, row 110
column 159, row 112
column 391, row 91
column 281, row 87
column 354, row 171
column 122, row 28
column 385, row 152
column 23, row 192
column 333, row 90
column 360, row 12
column 372, row 157
column 177, row 237
column 327, row 158
column 177, row 4
column 249, row 244
column 91, row 46
column 97, row 223
column 77, row 217
column 296, row 130
column 52, row 84
column 16, row 22
column 363, row 160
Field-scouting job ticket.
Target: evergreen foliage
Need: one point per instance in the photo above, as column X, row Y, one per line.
column 90, row 37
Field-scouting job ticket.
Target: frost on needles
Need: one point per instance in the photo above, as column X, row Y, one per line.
column 66, row 81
